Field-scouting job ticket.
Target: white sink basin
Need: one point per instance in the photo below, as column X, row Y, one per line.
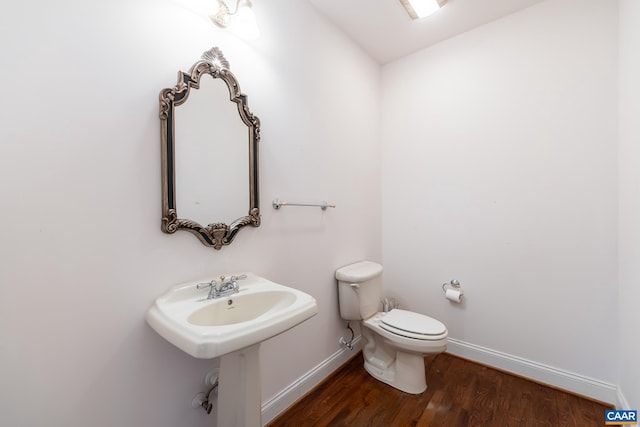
column 211, row 328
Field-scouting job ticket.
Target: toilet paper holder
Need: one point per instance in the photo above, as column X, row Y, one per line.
column 452, row 291
column 453, row 284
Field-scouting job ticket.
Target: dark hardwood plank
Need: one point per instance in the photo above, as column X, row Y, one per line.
column 459, row 393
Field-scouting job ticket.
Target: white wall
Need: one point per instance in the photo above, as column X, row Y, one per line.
column 629, row 246
column 82, row 254
column 499, row 169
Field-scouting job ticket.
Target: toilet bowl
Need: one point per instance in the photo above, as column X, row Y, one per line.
column 395, row 342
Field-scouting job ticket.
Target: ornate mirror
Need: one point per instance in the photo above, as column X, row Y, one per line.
column 209, row 154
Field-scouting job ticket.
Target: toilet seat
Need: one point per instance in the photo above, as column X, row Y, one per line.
column 412, row 325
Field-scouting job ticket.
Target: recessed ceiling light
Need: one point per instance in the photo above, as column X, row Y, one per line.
column 421, row 8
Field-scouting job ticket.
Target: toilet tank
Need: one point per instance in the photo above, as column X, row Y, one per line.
column 359, row 290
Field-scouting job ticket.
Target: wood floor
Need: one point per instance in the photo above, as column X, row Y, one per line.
column 459, row 393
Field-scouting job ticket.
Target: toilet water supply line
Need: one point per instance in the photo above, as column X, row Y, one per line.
column 344, row 342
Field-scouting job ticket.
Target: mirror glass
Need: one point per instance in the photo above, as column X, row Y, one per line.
column 212, row 153
column 209, row 154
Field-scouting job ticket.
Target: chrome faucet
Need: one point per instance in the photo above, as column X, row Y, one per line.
column 222, row 288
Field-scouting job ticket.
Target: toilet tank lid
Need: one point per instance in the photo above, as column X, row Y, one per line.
column 359, row 272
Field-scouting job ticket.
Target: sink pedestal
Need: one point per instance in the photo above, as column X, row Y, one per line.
column 239, row 388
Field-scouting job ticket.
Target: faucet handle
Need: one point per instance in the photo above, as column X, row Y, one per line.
column 240, row 277
column 206, row 284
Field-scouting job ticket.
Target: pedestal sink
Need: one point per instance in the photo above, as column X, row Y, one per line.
column 232, row 328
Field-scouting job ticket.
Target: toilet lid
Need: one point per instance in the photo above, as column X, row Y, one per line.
column 413, row 325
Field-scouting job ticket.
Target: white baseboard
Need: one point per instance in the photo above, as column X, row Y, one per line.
column 622, row 402
column 287, row 397
column 585, row 386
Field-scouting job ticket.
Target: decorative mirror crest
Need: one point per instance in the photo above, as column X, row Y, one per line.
column 215, row 234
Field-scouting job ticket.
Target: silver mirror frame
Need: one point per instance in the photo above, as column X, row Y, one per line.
column 215, row 234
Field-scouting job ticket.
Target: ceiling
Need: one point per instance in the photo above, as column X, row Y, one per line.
column 385, row 31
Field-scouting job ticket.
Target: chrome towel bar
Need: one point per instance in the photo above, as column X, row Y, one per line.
column 277, row 204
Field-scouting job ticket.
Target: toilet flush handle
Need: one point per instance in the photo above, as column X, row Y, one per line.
column 355, row 286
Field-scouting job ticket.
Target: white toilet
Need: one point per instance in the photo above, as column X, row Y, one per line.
column 396, row 342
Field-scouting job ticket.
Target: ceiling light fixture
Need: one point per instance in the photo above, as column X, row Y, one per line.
column 242, row 21
column 422, row 8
